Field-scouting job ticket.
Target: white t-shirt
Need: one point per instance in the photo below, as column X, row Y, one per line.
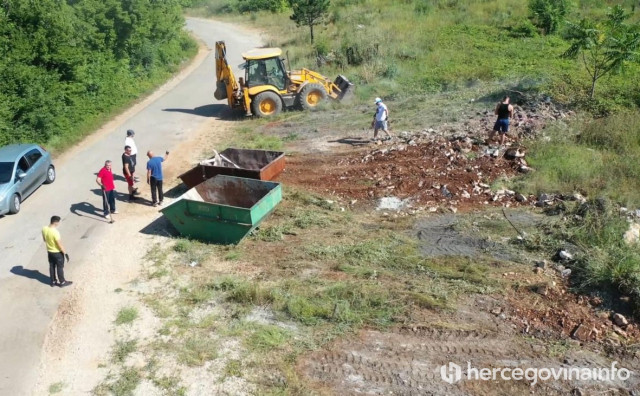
column 128, row 141
column 381, row 112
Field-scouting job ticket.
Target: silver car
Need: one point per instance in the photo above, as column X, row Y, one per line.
column 23, row 168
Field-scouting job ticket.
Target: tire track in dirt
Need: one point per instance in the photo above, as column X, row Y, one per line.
column 407, row 361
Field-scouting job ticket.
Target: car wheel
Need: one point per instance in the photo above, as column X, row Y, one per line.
column 14, row 204
column 51, row 175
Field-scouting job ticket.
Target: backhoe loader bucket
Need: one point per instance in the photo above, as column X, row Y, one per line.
column 221, row 90
column 346, row 88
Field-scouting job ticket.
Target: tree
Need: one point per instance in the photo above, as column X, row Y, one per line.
column 548, row 15
column 605, row 47
column 309, row 12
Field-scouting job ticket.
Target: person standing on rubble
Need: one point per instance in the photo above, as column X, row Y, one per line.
column 380, row 119
column 504, row 111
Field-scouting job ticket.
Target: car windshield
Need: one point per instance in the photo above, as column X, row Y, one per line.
column 6, row 171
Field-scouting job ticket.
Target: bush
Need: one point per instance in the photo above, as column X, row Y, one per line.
column 423, row 7
column 522, row 29
column 548, row 15
column 262, row 5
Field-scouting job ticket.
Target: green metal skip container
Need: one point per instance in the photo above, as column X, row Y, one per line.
column 223, row 209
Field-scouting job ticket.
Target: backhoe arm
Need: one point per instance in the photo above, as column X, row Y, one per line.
column 226, row 84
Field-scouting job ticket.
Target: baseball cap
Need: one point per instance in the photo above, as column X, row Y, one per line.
column 378, row 100
column 130, row 132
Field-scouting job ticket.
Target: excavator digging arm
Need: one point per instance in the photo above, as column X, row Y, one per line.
column 226, row 84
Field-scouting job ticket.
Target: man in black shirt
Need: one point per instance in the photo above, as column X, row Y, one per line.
column 128, row 169
column 504, row 111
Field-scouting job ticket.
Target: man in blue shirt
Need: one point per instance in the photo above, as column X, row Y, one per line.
column 154, row 177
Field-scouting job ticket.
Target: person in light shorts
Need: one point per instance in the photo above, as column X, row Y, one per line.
column 380, row 119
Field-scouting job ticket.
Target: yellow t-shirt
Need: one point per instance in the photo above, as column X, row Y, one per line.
column 51, row 235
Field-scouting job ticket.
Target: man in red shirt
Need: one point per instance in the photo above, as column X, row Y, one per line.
column 105, row 181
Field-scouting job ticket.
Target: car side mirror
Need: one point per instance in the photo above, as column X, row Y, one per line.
column 21, row 175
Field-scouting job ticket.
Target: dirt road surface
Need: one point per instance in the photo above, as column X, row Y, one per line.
column 168, row 118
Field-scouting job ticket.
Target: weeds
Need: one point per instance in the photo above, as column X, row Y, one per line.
column 604, row 263
column 56, row 388
column 197, row 349
column 171, row 385
column 126, row 315
column 265, row 338
column 233, row 368
column 122, row 350
column 596, row 157
column 124, row 385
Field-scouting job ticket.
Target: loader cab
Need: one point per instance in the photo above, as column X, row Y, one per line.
column 263, row 66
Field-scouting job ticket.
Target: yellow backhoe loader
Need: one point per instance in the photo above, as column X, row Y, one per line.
column 268, row 87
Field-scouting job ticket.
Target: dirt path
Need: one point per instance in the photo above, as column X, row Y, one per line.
column 81, row 334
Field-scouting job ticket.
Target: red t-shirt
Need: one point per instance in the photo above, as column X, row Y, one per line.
column 107, row 179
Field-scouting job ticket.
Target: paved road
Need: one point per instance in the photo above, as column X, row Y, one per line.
column 27, row 303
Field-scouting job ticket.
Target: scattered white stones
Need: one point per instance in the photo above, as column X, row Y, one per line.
column 620, row 320
column 632, row 235
column 564, row 255
column 392, row 203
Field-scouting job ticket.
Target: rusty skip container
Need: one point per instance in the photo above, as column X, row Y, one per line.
column 252, row 164
column 223, row 209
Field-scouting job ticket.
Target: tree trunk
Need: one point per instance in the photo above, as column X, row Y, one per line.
column 593, row 87
column 311, row 28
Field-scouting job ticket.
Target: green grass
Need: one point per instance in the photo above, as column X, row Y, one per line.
column 122, row 350
column 249, row 138
column 233, row 368
column 604, row 264
column 56, row 388
column 197, row 349
column 266, row 338
column 598, row 157
column 126, row 315
column 124, row 385
column 171, row 385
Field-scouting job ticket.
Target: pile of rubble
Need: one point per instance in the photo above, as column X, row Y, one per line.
column 431, row 170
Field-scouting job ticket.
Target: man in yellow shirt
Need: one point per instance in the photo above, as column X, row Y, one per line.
column 55, row 252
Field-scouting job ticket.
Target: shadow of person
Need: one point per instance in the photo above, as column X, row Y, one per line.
column 119, row 196
column 31, row 274
column 353, row 141
column 84, row 207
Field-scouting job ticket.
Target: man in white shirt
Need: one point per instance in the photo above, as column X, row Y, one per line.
column 128, row 141
column 380, row 119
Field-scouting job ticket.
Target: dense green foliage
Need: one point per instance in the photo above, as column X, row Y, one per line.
column 607, row 46
column 66, row 64
column 261, row 5
column 548, row 15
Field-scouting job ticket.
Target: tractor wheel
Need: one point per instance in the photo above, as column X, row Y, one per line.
column 266, row 104
column 311, row 96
